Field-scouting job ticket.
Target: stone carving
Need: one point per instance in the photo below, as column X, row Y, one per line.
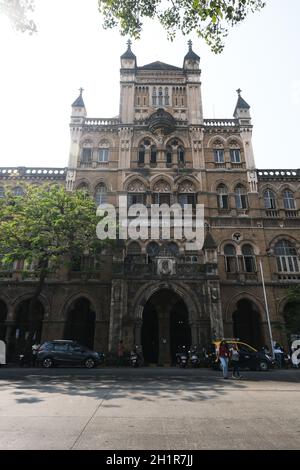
column 136, row 186
column 162, row 187
column 237, row 237
column 165, row 266
column 186, row 187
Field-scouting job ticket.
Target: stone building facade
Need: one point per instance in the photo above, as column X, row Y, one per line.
column 155, row 293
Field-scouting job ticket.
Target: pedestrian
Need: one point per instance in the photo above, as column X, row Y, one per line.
column 223, row 356
column 235, row 361
column 278, row 351
column 121, row 352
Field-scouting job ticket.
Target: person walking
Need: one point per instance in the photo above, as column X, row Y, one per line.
column 121, row 353
column 223, row 355
column 278, row 355
column 235, row 361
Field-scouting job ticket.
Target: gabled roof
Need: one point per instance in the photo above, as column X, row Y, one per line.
column 159, row 66
column 209, row 242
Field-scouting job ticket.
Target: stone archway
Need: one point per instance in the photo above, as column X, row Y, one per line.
column 165, row 324
column 80, row 323
column 247, row 324
column 25, row 326
column 291, row 315
column 3, row 316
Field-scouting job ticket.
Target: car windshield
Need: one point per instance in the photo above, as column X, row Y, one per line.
column 245, row 348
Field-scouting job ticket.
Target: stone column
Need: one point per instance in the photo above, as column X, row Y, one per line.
column 215, row 308
column 117, row 311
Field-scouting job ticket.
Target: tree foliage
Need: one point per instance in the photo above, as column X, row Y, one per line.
column 47, row 227
column 210, row 19
column 18, row 13
column 292, row 311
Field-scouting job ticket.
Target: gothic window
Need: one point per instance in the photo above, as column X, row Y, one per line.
column 18, row 191
column 222, row 197
column 161, row 193
column 230, row 259
column 83, row 187
column 169, row 154
column 180, row 154
column 101, row 194
column 219, row 155
column 153, row 154
column 154, row 96
column 86, row 152
column 187, row 194
column 249, row 264
column 133, row 248
column 288, row 199
column 170, row 249
column 2, row 192
column 269, row 199
column 240, row 197
column 160, row 96
column 152, row 249
column 103, row 152
column 141, row 154
column 286, row 255
column 235, row 155
column 166, row 96
column 136, row 193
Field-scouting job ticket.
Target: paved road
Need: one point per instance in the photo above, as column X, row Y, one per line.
column 155, row 408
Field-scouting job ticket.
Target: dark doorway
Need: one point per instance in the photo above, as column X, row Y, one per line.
column 150, row 334
column 180, row 331
column 3, row 314
column 165, row 327
column 24, row 326
column 80, row 325
column 291, row 315
column 247, row 323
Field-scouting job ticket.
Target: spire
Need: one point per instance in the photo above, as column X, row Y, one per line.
column 191, row 55
column 209, row 242
column 241, row 103
column 79, row 103
column 128, row 54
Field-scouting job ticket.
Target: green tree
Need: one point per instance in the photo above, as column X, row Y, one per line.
column 210, row 19
column 18, row 12
column 292, row 311
column 48, row 227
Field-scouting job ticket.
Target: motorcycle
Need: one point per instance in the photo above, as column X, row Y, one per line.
column 194, row 358
column 134, row 358
column 182, row 357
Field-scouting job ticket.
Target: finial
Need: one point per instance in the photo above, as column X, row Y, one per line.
column 129, row 43
column 190, row 44
column 80, row 91
column 239, row 91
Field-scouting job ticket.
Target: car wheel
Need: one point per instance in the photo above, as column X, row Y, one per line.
column 89, row 363
column 47, row 362
column 263, row 366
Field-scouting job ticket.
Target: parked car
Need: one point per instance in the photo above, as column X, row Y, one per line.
column 250, row 358
column 67, row 352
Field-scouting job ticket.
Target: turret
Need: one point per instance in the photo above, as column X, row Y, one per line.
column 191, row 64
column 127, row 79
column 77, row 119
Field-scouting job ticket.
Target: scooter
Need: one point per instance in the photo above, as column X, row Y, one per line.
column 182, row 357
column 194, row 358
column 134, row 358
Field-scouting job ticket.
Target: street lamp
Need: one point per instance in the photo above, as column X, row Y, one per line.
column 267, row 308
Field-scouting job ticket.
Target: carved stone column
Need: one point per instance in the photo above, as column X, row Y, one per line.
column 215, row 308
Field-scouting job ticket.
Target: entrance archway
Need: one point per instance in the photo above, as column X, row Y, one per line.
column 165, row 327
column 291, row 314
column 80, row 324
column 3, row 315
column 26, row 326
column 247, row 323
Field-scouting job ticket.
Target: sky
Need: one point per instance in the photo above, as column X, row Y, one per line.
column 40, row 76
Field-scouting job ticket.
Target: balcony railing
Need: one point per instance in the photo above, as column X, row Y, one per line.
column 278, row 174
column 32, row 172
column 220, row 122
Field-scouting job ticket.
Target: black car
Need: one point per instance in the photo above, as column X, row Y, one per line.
column 67, row 352
column 250, row 358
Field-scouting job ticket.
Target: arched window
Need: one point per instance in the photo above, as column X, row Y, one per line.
column 152, row 249
column 286, row 255
column 136, row 193
column 101, row 194
column 235, row 152
column 86, row 152
column 153, row 154
column 288, row 199
column 240, row 197
column 180, row 154
column 218, row 155
column 230, row 259
column 187, row 194
column 248, row 259
column 166, row 96
column 133, row 248
column 2, row 191
column 172, row 249
column 161, row 193
column 154, row 96
column 18, row 191
column 269, row 199
column 222, row 197
column 141, row 154
column 169, row 154
column 160, row 96
column 83, row 187
column 103, row 152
